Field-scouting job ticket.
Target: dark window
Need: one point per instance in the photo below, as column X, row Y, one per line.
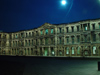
column 67, row 39
column 72, row 39
column 78, row 39
column 32, row 33
column 77, row 28
column 94, row 37
column 46, row 41
column 60, row 30
column 99, row 25
column 67, row 29
column 0, row 36
column 85, row 38
column 93, row 26
column 29, row 34
column 60, row 40
column 72, row 29
column 26, row 35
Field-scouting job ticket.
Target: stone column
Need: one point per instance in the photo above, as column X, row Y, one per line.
column 70, row 51
column 55, row 50
column 91, row 51
column 43, row 51
column 55, row 30
column 69, row 29
column 65, row 40
column 43, row 41
column 91, row 26
column 49, row 51
column 96, row 25
column 55, row 40
column 70, row 40
column 75, row 51
column 75, row 40
column 64, row 51
column 97, row 37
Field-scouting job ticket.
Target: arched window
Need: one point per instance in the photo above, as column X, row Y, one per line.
column 94, row 50
column 46, row 31
column 67, row 50
column 72, row 50
column 78, row 50
column 51, row 31
column 46, row 41
column 41, row 32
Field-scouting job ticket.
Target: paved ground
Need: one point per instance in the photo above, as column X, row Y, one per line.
column 57, row 66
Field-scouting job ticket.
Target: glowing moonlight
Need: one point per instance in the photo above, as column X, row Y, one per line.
column 63, row 2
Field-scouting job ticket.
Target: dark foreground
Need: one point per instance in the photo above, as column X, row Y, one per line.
column 48, row 66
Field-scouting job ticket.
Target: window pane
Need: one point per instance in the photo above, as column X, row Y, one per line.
column 46, row 31
column 41, row 32
column 67, row 50
column 78, row 50
column 85, row 27
column 72, row 50
column 99, row 26
column 51, row 30
column 94, row 50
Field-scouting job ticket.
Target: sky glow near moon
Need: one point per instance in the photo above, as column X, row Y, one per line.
column 63, row 2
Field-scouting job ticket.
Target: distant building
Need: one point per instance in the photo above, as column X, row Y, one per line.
column 69, row 40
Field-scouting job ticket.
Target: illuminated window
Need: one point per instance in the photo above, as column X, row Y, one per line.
column 51, row 31
column 72, row 50
column 99, row 25
column 67, row 50
column 41, row 32
column 46, row 31
column 78, row 50
column 53, row 52
column 16, row 36
column 94, row 50
column 85, row 27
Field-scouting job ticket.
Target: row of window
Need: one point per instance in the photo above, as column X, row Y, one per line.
column 85, row 27
column 16, row 51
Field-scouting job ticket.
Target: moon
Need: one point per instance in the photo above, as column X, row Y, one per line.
column 63, row 2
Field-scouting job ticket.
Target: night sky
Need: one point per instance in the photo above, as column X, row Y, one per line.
column 18, row 15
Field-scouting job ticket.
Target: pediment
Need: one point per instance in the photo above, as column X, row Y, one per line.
column 46, row 26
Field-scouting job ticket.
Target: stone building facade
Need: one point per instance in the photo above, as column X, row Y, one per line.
column 78, row 39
